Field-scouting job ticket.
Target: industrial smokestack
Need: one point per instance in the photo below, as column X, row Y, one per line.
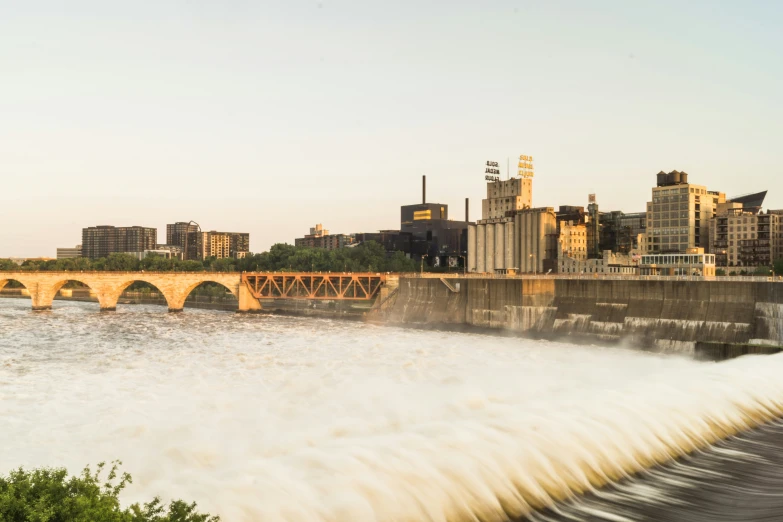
column 467, row 210
column 423, row 190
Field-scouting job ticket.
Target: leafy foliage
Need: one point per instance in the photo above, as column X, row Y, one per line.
column 778, row 266
column 762, row 271
column 50, row 495
column 7, row 264
column 367, row 257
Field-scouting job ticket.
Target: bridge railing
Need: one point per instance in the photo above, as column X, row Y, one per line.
column 314, row 285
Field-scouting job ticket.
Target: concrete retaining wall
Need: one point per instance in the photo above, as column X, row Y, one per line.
column 667, row 315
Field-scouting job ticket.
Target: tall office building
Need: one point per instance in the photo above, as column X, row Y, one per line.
column 678, row 215
column 100, row 241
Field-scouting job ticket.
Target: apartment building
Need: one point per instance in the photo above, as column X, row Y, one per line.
column 100, row 241
column 740, row 238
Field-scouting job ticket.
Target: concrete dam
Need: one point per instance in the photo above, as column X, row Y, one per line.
column 718, row 318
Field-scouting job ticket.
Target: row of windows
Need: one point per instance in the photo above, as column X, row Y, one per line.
column 678, row 259
column 670, row 214
column 668, row 231
column 669, row 191
column 670, row 223
column 663, row 201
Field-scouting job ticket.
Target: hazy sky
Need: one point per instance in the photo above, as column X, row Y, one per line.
column 268, row 117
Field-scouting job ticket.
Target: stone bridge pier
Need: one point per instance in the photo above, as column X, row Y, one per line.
column 109, row 286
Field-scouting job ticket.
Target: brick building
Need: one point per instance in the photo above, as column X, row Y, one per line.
column 100, row 241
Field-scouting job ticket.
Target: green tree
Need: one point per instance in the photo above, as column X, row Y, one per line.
column 226, row 264
column 254, row 263
column 121, row 263
column 190, row 266
column 50, row 495
column 367, row 257
column 7, row 264
column 279, row 256
column 398, row 262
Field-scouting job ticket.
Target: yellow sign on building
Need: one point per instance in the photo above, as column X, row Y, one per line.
column 525, row 169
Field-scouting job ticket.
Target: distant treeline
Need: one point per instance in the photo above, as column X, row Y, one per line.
column 367, row 257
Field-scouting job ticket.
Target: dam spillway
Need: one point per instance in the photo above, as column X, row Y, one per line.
column 667, row 315
column 291, row 419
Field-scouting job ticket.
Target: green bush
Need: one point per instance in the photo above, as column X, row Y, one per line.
column 50, row 495
column 762, row 271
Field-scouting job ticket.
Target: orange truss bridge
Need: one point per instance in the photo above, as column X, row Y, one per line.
column 347, row 286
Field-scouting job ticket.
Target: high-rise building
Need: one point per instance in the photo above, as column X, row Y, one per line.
column 185, row 236
column 319, row 237
column 678, row 215
column 223, row 244
column 100, row 241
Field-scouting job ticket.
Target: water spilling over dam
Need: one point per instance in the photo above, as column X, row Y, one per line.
column 283, row 419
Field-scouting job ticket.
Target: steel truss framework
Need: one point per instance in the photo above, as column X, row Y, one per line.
column 348, row 286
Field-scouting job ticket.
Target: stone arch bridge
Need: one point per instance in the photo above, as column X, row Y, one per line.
column 109, row 286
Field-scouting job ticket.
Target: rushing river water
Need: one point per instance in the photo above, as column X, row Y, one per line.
column 280, row 418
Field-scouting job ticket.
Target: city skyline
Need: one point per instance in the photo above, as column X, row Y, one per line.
column 209, row 117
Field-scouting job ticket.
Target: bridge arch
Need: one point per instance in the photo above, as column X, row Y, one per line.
column 47, row 296
column 188, row 292
column 5, row 281
column 113, row 295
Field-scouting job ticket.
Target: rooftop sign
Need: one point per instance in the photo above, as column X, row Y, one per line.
column 492, row 171
column 525, row 168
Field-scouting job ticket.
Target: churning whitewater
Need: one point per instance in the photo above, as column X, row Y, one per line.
column 292, row 419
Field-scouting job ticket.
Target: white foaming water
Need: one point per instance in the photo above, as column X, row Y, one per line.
column 289, row 419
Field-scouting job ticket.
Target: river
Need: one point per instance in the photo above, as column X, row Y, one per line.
column 293, row 419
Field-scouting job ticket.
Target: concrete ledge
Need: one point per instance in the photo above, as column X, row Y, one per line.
column 722, row 351
column 670, row 315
